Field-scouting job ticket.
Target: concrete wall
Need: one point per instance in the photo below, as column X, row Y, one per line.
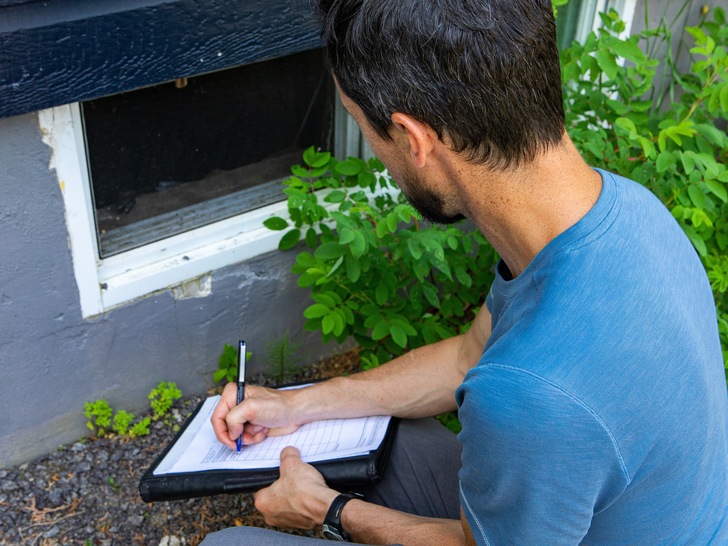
column 52, row 360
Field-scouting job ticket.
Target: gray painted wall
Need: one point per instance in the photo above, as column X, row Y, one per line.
column 52, row 360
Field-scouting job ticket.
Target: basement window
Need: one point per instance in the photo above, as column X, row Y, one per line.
column 178, row 156
column 166, row 184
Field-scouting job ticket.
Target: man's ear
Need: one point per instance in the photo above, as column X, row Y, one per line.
column 422, row 139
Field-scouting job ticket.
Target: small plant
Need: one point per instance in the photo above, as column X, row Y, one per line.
column 281, row 356
column 122, row 421
column 227, row 364
column 102, row 420
column 99, row 415
column 140, row 428
column 112, row 482
column 162, row 398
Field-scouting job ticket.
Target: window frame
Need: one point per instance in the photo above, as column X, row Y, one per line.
column 106, row 283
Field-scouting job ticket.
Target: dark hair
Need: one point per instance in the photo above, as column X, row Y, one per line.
column 483, row 73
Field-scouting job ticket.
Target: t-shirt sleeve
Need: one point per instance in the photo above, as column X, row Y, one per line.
column 537, row 463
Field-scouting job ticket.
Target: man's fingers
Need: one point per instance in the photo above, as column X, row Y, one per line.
column 290, row 452
column 218, row 419
column 290, row 456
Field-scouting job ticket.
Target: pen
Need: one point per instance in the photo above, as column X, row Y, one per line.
column 241, row 385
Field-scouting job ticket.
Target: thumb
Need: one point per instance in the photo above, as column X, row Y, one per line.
column 290, row 459
column 290, row 455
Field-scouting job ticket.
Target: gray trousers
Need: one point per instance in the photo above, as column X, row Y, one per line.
column 421, row 478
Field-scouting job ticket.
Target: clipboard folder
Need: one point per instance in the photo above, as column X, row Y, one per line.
column 339, row 473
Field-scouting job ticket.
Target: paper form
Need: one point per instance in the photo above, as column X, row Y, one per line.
column 198, row 449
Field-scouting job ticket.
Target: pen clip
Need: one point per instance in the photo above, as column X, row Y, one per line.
column 241, row 361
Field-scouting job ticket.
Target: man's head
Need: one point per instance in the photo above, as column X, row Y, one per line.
column 483, row 74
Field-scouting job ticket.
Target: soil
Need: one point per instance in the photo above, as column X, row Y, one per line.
column 87, row 493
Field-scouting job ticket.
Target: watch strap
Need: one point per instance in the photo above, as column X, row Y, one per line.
column 332, row 528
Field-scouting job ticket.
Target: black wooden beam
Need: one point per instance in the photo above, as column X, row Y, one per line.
column 59, row 51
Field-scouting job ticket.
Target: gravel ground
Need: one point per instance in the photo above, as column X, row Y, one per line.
column 87, row 493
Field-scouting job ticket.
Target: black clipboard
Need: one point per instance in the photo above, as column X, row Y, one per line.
column 343, row 473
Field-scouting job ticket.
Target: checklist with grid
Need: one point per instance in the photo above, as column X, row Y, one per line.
column 198, row 450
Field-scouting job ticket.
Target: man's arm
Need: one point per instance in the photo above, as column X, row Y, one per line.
column 420, row 383
column 301, row 498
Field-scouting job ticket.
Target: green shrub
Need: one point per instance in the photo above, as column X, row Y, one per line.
column 140, row 428
column 376, row 272
column 99, row 414
column 162, row 397
column 122, row 421
column 102, row 420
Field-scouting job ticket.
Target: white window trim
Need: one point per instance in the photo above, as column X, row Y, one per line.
column 589, row 17
column 110, row 282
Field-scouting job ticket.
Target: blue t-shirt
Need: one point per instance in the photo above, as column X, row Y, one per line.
column 598, row 411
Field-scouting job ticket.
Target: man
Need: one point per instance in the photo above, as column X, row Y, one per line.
column 590, row 386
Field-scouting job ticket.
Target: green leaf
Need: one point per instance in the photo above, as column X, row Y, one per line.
column 317, row 310
column 688, row 161
column 275, row 223
column 709, row 164
column 665, row 160
column 350, row 167
column 431, row 295
column 335, row 196
column 696, row 196
column 628, row 125
column 718, row 189
column 392, row 220
column 311, row 238
column 358, row 245
column 330, row 251
column 627, row 49
column 289, row 240
column 607, row 63
column 336, row 266
column 315, row 159
column 415, row 248
column 327, row 324
column 382, row 228
column 399, row 337
column 618, row 107
column 697, row 241
column 648, row 148
column 381, row 293
column 380, row 330
column 353, row 268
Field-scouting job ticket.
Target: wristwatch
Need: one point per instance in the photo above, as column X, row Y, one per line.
column 332, row 528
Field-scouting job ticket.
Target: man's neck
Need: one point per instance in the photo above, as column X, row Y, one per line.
column 521, row 210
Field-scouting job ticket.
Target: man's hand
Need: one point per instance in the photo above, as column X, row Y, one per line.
column 299, row 499
column 264, row 412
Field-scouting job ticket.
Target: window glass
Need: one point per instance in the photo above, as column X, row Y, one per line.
column 180, row 155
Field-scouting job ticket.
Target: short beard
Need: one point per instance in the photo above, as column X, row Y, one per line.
column 429, row 204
